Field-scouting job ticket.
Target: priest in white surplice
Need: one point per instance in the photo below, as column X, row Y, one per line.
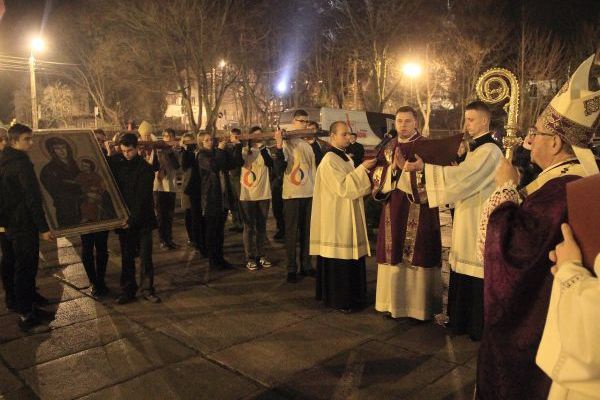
column 338, row 230
column 570, row 349
column 467, row 186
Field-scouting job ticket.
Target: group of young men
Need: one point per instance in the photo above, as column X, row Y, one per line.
column 506, row 233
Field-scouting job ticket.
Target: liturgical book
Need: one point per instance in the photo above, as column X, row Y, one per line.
column 583, row 200
column 436, row 151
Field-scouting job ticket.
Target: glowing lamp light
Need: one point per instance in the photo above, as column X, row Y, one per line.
column 37, row 44
column 222, row 64
column 412, row 70
column 282, row 87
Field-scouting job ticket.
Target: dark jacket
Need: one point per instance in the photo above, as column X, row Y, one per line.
column 212, row 164
column 191, row 183
column 358, row 153
column 22, row 208
column 135, row 179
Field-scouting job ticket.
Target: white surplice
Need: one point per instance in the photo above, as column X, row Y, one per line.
column 569, row 352
column 338, row 226
column 467, row 186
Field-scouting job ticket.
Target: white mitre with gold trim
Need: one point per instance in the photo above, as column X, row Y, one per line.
column 574, row 113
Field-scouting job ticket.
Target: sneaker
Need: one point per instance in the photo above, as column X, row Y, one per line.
column 264, row 262
column 125, row 298
column 291, row 277
column 152, row 298
column 30, row 323
column 251, row 265
column 40, row 300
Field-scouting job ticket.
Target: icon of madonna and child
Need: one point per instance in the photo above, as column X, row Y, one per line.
column 77, row 188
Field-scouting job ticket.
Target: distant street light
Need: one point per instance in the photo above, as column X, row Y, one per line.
column 412, row 70
column 222, row 64
column 282, row 87
column 37, row 45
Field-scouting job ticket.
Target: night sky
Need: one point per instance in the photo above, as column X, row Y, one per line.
column 26, row 18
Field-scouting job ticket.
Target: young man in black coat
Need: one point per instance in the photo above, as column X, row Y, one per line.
column 22, row 216
column 213, row 163
column 135, row 177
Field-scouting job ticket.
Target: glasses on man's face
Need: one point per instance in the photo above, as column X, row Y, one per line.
column 532, row 133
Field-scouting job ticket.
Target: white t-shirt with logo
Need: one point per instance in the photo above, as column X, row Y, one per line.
column 299, row 175
column 254, row 179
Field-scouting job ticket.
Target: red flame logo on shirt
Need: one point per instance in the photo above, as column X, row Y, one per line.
column 249, row 178
column 297, row 175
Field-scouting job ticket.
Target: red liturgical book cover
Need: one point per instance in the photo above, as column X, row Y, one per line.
column 583, row 200
column 436, row 151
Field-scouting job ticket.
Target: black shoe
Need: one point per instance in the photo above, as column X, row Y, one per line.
column 237, row 229
column 190, row 243
column 279, row 236
column 346, row 310
column 310, row 272
column 125, row 298
column 99, row 291
column 30, row 323
column 224, row 264
column 44, row 315
column 291, row 277
column 387, row 315
column 40, row 300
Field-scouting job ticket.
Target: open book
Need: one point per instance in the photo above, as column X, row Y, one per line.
column 583, row 201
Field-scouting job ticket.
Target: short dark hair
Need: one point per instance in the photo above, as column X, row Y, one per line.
column 313, row 123
column 99, row 131
column 129, row 140
column 334, row 125
column 15, row 131
column 300, row 113
column 407, row 109
column 170, row 131
column 255, row 128
column 236, row 131
column 479, row 105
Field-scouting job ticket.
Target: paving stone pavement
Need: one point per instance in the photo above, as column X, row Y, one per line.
column 230, row 334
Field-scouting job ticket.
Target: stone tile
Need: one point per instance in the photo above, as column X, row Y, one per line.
column 427, row 338
column 23, row 393
column 458, row 384
column 37, row 349
column 274, row 358
column 218, row 330
column 56, row 291
column 73, row 274
column 8, row 382
column 179, row 306
column 77, row 310
column 192, row 379
column 374, row 370
column 91, row 370
column 367, row 322
column 10, row 329
column 472, row 363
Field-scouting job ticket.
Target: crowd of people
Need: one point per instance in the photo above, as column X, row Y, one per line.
column 511, row 250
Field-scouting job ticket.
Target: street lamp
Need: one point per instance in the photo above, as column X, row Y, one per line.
column 412, row 70
column 37, row 45
column 222, row 64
